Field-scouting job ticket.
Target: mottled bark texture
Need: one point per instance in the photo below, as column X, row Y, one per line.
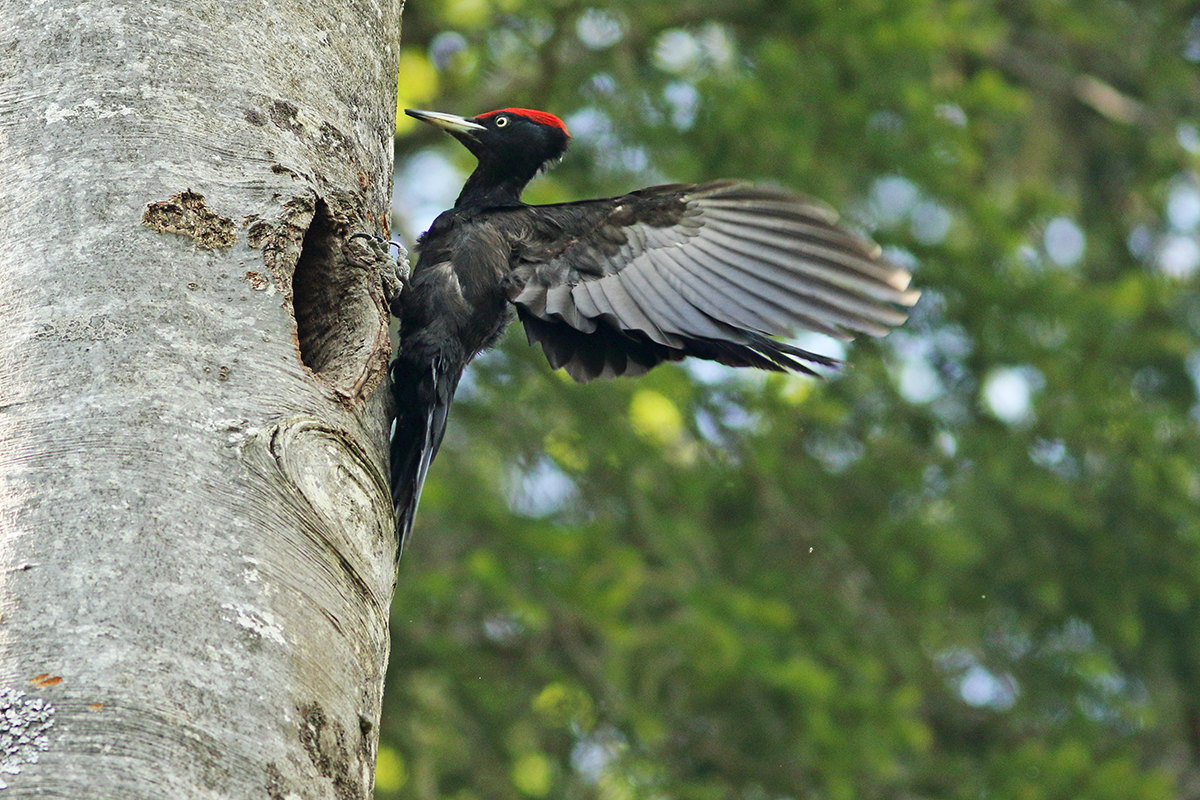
column 196, row 544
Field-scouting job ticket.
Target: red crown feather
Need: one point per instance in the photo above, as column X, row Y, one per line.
column 537, row 116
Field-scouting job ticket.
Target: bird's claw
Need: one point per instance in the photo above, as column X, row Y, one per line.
column 393, row 271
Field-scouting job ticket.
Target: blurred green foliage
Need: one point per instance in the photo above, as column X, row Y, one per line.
column 967, row 566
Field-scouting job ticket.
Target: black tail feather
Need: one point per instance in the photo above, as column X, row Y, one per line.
column 423, row 394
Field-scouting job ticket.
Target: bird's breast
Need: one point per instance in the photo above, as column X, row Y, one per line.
column 456, row 305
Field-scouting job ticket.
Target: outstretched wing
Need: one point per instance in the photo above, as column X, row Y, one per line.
column 712, row 271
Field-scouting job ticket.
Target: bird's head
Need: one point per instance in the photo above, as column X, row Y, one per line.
column 512, row 144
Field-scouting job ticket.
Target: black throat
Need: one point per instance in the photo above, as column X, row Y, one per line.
column 496, row 184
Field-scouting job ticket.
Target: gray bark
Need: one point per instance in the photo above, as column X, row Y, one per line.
column 196, row 542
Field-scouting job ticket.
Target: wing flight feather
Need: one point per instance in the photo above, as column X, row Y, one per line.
column 712, row 270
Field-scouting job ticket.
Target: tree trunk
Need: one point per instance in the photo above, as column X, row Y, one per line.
column 196, row 540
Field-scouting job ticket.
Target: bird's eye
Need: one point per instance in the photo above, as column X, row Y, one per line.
column 501, row 122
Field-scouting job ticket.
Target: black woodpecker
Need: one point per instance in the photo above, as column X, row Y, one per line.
column 615, row 286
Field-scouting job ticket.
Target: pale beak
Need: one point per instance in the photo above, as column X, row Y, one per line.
column 447, row 122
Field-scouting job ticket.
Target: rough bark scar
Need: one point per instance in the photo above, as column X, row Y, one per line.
column 258, row 281
column 325, row 744
column 187, row 215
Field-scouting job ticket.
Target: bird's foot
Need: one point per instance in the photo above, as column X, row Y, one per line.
column 393, row 270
